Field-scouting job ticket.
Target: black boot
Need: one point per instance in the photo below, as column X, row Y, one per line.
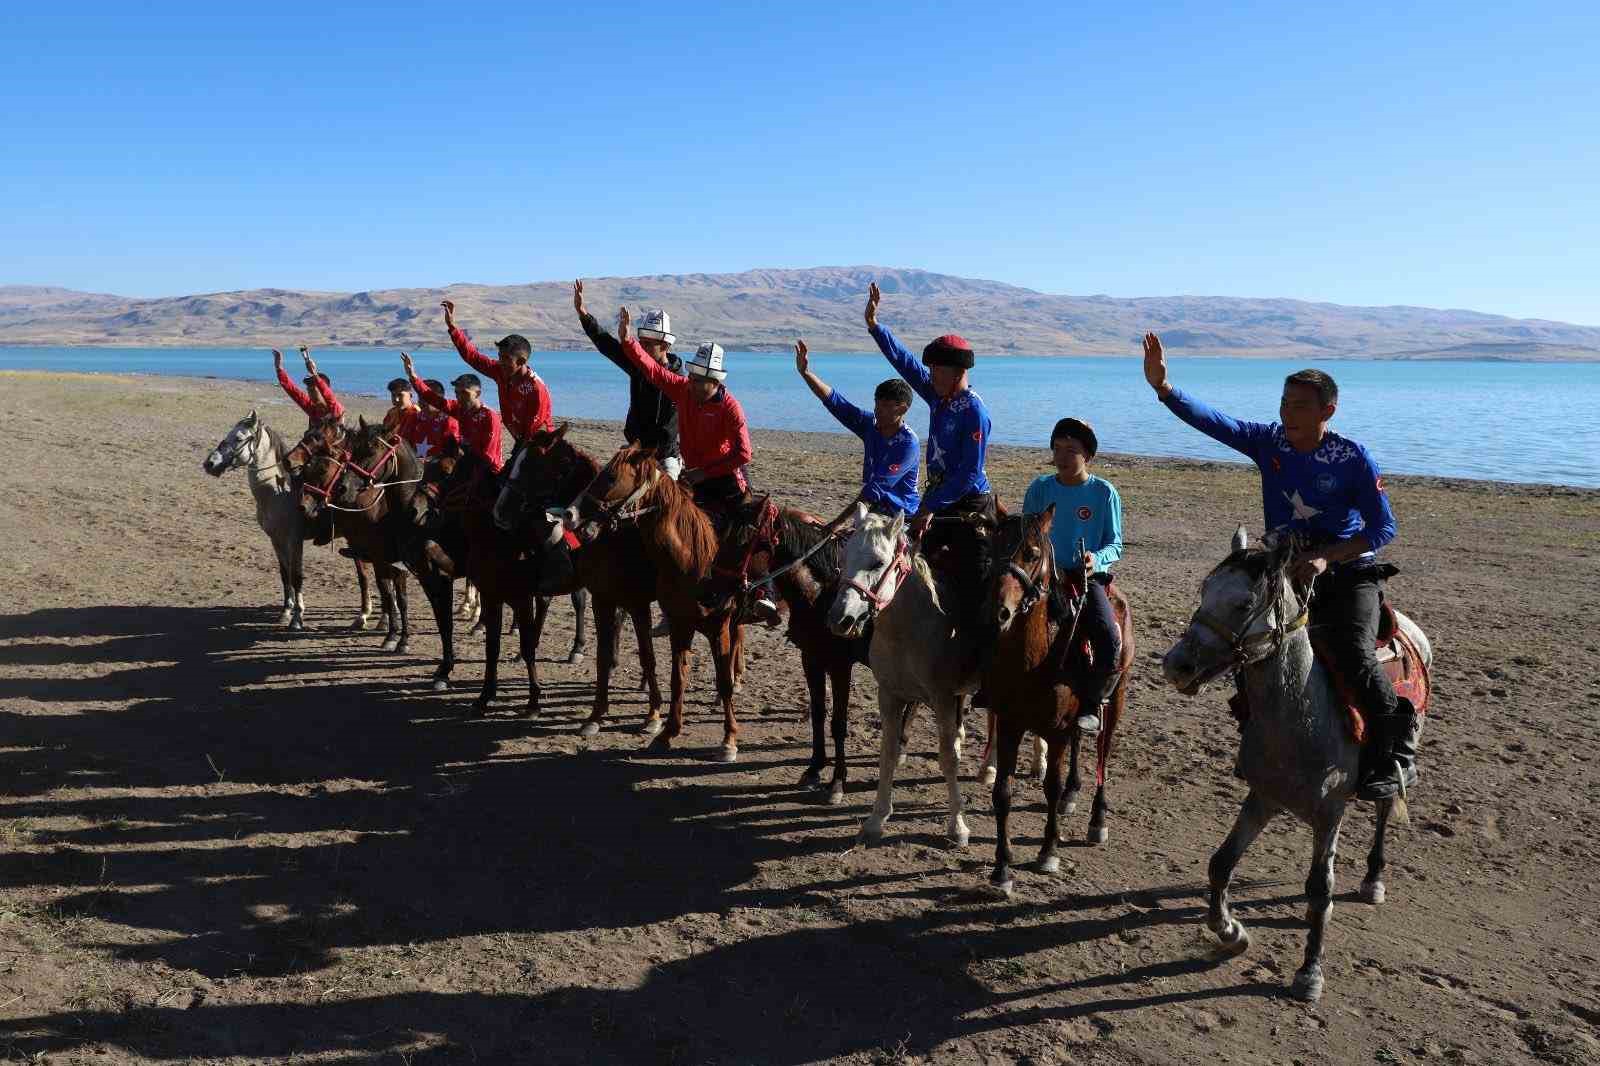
column 1091, row 707
column 1393, row 755
column 555, row 572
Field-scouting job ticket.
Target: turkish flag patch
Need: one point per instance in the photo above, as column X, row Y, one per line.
column 1381, row 486
column 894, row 468
column 977, row 435
column 1084, row 514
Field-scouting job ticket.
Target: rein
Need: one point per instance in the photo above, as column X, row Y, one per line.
column 1250, row 647
column 832, row 531
column 612, row 515
column 389, row 456
column 879, row 595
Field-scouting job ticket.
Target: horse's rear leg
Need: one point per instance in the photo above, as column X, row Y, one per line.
column 1372, row 890
column 892, row 713
column 364, row 618
column 726, row 650
column 607, row 624
column 816, row 676
column 440, row 590
column 297, row 581
column 580, row 625
column 1253, row 818
column 1055, row 752
column 385, row 580
column 491, row 655
column 1104, row 744
column 403, row 645
column 1074, row 786
column 1006, row 747
column 987, row 768
column 529, row 630
column 647, row 660
column 1319, row 906
column 906, row 720
column 839, row 678
column 469, row 608
column 949, row 716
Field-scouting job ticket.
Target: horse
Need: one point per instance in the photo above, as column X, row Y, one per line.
column 1296, row 752
column 263, row 453
column 917, row 653
column 1025, row 696
column 459, row 532
column 680, row 541
column 798, row 555
column 551, row 471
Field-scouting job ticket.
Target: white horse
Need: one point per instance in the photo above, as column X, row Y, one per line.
column 1296, row 751
column 916, row 653
column 257, row 447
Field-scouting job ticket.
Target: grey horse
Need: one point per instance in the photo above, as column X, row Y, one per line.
column 261, row 451
column 915, row 655
column 1296, row 752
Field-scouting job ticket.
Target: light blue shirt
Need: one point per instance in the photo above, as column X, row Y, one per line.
column 1091, row 511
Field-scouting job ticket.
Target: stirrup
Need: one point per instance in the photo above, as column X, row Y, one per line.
column 1088, row 724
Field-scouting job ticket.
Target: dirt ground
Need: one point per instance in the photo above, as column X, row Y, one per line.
column 222, row 841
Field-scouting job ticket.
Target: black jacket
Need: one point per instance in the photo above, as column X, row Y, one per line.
column 652, row 418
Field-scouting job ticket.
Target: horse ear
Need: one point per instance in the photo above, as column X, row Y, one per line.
column 251, row 417
column 560, row 432
column 361, row 420
column 860, row 513
column 1241, row 540
column 899, row 524
column 1047, row 518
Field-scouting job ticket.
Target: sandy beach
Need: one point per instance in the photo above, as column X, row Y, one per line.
column 225, row 842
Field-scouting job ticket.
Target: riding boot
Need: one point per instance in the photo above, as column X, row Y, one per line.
column 1391, row 765
column 1091, row 707
column 556, row 573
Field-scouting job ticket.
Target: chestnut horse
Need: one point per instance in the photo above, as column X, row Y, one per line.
column 614, row 568
column 1024, row 693
column 680, row 541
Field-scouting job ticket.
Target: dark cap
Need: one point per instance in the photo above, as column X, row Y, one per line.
column 399, row 383
column 309, row 380
column 894, row 390
column 949, row 350
column 515, row 344
column 468, row 381
column 1078, row 430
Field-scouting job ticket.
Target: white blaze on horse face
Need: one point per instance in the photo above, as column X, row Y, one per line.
column 867, row 554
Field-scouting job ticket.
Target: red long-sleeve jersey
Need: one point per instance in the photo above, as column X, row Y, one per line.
column 524, row 400
column 713, row 435
column 424, row 428
column 324, row 405
column 480, row 426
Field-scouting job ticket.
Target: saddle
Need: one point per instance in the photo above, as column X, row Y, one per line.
column 1401, row 660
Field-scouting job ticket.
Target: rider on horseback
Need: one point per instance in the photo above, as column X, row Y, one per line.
column 1326, row 488
column 480, row 426
column 1088, row 512
column 713, row 433
column 889, row 462
column 652, row 417
column 423, row 428
column 524, row 401
column 316, row 399
column 957, row 495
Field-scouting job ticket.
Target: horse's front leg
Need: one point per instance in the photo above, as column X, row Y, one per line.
column 580, row 624
column 364, row 618
column 891, row 712
column 1074, row 786
column 1372, row 890
column 725, row 648
column 530, row 612
column 1253, row 818
column 816, row 676
column 1055, row 754
column 682, row 638
column 1319, row 904
column 297, row 582
column 987, row 767
column 490, row 616
column 1006, row 744
column 949, row 715
column 403, row 645
column 384, row 576
column 440, row 589
column 647, row 659
column 607, row 622
column 840, row 680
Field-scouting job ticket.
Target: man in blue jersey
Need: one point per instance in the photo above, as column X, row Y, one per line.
column 957, row 490
column 1088, row 511
column 889, row 462
column 1327, row 489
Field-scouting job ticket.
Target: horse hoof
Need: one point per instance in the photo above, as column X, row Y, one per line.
column 871, row 834
column 1097, row 834
column 440, row 685
column 1002, row 883
column 1373, row 892
column 1238, row 945
column 1052, row 865
column 478, row 709
column 651, row 727
column 987, row 778
column 959, row 836
column 360, row 624
column 589, row 729
column 574, row 657
column 1069, row 803
column 659, row 744
column 403, row 648
column 900, row 760
column 812, row 778
column 389, row 645
column 1307, row 985
column 297, row 626
column 836, row 794
column 285, row 617
column 730, row 753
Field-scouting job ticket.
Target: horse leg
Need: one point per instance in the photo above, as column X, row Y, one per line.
column 385, row 579
column 737, row 656
column 1055, row 752
column 364, row 618
column 440, row 590
column 529, row 630
column 816, row 675
column 1307, row 984
column 1006, row 747
column 297, row 582
column 403, row 645
column 949, row 715
column 682, row 637
column 1112, row 715
column 607, row 621
column 580, row 624
column 988, row 769
column 892, row 713
column 1372, row 890
column 647, row 658
column 1253, row 818
column 467, row 610
column 905, row 734
column 840, row 680
column 491, row 655
column 1041, row 752
column 726, row 650
column 1069, row 796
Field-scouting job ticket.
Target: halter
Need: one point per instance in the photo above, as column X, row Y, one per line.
column 764, row 535
column 1033, row 589
column 371, row 477
column 1247, row 647
column 324, row 492
column 881, row 592
column 612, row 515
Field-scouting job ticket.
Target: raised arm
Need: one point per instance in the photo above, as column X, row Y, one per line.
column 425, row 394
column 904, row 363
column 323, row 389
column 598, row 335
column 301, row 398
column 674, row 386
column 848, row 414
column 465, row 348
column 1225, row 429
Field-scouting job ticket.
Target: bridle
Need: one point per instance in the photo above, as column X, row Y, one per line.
column 884, row 587
column 1247, row 647
column 1034, row 588
column 390, row 455
column 611, row 516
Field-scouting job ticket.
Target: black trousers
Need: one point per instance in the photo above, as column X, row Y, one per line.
column 1099, row 627
column 1344, row 608
column 971, row 547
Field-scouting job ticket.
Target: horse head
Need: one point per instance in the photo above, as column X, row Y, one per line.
column 620, row 484
column 542, row 467
column 866, row 576
column 1024, row 571
column 237, row 449
column 1248, row 605
column 318, row 478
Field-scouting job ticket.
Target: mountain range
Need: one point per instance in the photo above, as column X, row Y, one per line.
column 761, row 310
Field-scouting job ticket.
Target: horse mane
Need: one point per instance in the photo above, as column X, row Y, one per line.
column 275, row 439
column 799, row 532
column 690, row 537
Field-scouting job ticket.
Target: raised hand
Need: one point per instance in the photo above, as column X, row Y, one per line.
column 405, row 361
column 449, row 313
column 622, row 323
column 1155, row 365
column 873, row 296
column 311, row 364
column 277, row 359
column 802, row 357
column 577, row 297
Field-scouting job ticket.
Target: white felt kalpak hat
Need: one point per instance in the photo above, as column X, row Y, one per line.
column 707, row 363
column 656, row 326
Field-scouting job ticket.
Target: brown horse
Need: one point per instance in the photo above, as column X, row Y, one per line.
column 459, row 523
column 1024, row 694
column 799, row 556
column 681, row 542
column 549, row 472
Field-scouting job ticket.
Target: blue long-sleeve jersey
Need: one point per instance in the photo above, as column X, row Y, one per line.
column 888, row 467
column 958, row 430
column 1333, row 493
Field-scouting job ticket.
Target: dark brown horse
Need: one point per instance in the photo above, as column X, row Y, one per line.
column 457, row 518
column 550, row 472
column 1024, row 693
column 798, row 554
column 681, row 543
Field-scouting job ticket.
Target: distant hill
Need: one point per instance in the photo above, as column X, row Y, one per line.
column 766, row 309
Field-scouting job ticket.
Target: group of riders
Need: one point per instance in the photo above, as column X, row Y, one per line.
column 1317, row 484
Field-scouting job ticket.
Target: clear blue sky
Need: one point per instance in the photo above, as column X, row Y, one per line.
column 1438, row 154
